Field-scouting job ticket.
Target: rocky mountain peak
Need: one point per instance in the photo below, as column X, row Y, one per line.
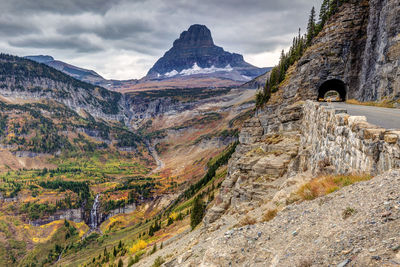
column 195, row 52
column 196, row 36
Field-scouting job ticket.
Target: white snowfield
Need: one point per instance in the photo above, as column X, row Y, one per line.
column 195, row 69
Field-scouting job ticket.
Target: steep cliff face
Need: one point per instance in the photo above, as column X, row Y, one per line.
column 380, row 75
column 335, row 53
column 359, row 47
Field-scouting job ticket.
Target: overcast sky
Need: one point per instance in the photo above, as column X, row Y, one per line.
column 122, row 39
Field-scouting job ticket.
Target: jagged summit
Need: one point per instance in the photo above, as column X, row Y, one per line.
column 195, row 53
column 196, row 36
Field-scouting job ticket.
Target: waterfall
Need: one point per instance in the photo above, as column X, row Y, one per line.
column 94, row 213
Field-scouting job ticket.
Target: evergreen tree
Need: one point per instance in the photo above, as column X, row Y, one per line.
column 311, row 27
column 323, row 13
column 105, row 252
column 333, row 7
column 197, row 212
column 154, row 249
column 120, row 263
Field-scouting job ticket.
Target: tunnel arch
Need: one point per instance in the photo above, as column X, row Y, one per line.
column 333, row 85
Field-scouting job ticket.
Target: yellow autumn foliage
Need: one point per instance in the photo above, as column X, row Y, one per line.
column 173, row 215
column 139, row 245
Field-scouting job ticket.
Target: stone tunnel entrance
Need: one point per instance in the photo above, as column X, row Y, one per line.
column 332, row 90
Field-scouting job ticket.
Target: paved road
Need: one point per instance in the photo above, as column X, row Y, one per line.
column 388, row 118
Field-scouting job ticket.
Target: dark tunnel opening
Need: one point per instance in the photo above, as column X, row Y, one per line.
column 333, row 85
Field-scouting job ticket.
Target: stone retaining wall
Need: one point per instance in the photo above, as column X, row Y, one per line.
column 340, row 143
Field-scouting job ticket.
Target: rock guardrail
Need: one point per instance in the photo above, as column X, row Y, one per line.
column 345, row 144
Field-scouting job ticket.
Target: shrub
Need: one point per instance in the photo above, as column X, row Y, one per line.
column 270, row 215
column 154, row 250
column 134, row 260
column 247, row 220
column 158, row 262
column 348, row 212
column 139, row 245
column 328, row 184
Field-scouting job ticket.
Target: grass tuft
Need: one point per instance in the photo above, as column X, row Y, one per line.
column 325, row 185
column 348, row 212
column 247, row 220
column 270, row 215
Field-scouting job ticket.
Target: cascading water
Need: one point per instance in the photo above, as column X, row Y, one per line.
column 94, row 213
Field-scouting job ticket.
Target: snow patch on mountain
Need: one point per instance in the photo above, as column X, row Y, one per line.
column 196, row 69
column 171, row 73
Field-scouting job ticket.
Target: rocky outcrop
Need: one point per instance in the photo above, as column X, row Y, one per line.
column 141, row 108
column 290, row 140
column 75, row 215
column 259, row 167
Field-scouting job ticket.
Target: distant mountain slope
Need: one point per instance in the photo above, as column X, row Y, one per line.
column 76, row 72
column 258, row 81
column 25, row 79
column 81, row 74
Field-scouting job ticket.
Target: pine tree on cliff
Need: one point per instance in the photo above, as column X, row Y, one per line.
column 323, row 13
column 311, row 27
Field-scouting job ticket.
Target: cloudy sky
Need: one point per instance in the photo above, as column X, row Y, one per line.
column 122, row 39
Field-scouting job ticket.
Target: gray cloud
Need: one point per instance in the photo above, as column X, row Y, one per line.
column 78, row 44
column 142, row 30
column 59, row 6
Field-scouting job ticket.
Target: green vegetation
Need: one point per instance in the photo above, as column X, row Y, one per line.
column 198, row 211
column 158, row 262
column 296, row 51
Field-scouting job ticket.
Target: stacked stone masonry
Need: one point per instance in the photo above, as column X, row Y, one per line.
column 345, row 143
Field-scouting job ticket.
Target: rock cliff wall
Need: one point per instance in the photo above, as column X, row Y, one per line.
column 336, row 53
column 359, row 46
column 380, row 75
